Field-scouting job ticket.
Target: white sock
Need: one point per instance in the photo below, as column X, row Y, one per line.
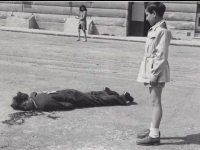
column 154, row 132
column 151, row 126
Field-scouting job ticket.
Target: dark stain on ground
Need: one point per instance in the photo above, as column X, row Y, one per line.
column 19, row 117
column 5, row 146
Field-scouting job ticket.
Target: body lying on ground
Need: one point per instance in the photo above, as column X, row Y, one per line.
column 68, row 99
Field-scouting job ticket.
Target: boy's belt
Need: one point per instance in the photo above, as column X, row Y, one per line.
column 148, row 55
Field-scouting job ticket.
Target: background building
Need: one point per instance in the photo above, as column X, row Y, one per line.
column 108, row 18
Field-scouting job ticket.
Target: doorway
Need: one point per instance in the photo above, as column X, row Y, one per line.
column 139, row 26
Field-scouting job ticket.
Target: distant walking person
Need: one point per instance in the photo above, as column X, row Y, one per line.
column 82, row 22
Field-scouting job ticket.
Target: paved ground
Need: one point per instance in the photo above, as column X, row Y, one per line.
column 30, row 62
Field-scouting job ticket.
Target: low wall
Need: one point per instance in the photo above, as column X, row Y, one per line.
column 109, row 18
column 52, row 15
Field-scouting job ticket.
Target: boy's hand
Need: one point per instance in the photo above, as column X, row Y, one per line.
column 153, row 80
column 77, row 17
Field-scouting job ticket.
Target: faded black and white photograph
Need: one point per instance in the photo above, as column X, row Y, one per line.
column 99, row 75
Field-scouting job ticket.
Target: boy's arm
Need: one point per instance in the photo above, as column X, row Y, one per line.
column 161, row 54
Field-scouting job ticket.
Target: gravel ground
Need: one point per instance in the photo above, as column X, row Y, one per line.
column 31, row 62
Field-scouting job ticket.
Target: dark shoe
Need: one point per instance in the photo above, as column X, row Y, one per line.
column 128, row 97
column 106, row 89
column 110, row 92
column 148, row 141
column 144, row 134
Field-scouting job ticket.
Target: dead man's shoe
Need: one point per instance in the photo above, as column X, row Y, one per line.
column 148, row 141
column 106, row 89
column 128, row 97
column 110, row 92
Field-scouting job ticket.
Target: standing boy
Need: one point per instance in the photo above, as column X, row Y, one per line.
column 154, row 71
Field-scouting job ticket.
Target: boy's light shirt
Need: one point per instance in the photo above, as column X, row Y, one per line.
column 155, row 64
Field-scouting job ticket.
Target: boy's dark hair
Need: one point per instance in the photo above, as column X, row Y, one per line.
column 158, row 7
column 17, row 100
column 83, row 6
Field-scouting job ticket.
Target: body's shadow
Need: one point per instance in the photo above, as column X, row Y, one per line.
column 189, row 139
column 129, row 104
column 18, row 118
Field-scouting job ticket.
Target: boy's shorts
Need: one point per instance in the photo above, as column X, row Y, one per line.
column 158, row 85
column 82, row 26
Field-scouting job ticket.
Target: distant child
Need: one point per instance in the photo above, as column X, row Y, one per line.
column 154, row 71
column 82, row 22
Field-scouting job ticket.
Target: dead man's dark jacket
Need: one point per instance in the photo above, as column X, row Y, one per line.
column 70, row 99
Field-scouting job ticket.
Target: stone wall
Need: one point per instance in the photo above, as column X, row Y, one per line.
column 109, row 18
column 181, row 18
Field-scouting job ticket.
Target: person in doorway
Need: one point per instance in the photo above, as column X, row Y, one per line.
column 68, row 99
column 154, row 71
column 82, row 22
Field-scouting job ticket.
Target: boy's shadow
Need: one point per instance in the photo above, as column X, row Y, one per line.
column 189, row 139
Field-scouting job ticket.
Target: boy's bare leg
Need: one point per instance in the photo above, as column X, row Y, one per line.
column 154, row 135
column 155, row 94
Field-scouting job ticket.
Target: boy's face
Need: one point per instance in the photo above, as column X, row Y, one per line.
column 151, row 17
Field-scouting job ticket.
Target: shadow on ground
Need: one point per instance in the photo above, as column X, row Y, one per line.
column 189, row 139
